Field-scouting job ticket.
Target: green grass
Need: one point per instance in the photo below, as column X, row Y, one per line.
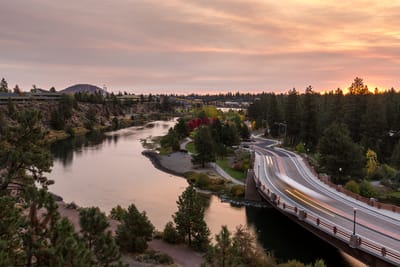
column 232, row 172
column 190, row 147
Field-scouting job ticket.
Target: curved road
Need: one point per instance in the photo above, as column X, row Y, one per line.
column 285, row 174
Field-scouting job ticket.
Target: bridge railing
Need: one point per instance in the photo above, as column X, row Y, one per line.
column 329, row 228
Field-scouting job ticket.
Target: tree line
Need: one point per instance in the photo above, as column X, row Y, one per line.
column 338, row 129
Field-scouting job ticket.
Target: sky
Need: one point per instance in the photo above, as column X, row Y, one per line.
column 203, row 46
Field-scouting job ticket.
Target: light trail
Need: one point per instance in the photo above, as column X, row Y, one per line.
column 310, row 202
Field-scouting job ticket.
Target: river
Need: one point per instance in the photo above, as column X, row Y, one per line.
column 106, row 170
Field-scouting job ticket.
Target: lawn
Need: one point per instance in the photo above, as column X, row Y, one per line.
column 232, row 172
column 190, row 147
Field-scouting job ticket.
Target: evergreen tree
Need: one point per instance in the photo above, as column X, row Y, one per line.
column 170, row 235
column 245, row 252
column 134, row 231
column 181, row 128
column 68, row 249
column 17, row 90
column 395, row 159
column 99, row 242
column 274, row 116
column 24, row 157
column 38, row 229
column 355, row 108
column 292, row 116
column 337, row 150
column 220, row 254
column 229, row 134
column 11, row 227
column 93, row 224
column 204, row 146
column 189, row 220
column 3, row 86
column 117, row 213
column 310, row 120
column 106, row 250
column 374, row 126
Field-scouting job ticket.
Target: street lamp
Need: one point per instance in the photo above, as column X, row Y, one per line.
column 354, row 221
column 340, row 172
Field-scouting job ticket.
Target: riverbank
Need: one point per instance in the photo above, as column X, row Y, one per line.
column 177, row 163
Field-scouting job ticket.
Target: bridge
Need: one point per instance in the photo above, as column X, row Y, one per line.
column 368, row 233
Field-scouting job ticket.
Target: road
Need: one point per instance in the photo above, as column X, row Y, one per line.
column 285, row 174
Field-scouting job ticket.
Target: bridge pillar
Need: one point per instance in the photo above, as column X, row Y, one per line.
column 354, row 243
column 302, row 215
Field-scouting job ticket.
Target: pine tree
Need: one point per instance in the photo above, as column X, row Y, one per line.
column 93, row 224
column 3, row 86
column 310, row 120
column 134, row 231
column 274, row 116
column 68, row 249
column 189, row 220
column 24, row 157
column 220, row 254
column 11, row 226
column 339, row 155
column 106, row 250
column 355, row 107
column 204, row 146
column 292, row 116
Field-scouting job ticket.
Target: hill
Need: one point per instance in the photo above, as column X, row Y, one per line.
column 81, row 88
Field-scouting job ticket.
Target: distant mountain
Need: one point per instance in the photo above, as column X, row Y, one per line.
column 83, row 88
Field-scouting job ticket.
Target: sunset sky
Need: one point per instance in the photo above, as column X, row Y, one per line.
column 203, row 46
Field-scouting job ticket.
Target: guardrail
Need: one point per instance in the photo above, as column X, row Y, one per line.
column 343, row 190
column 336, row 231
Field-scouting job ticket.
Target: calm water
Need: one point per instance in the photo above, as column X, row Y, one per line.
column 109, row 170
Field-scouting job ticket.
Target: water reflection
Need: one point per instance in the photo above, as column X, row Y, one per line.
column 106, row 170
column 288, row 240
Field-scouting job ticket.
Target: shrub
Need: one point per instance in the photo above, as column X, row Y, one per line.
column 170, row 234
column 352, row 186
column 300, row 148
column 367, row 190
column 202, row 181
column 237, row 191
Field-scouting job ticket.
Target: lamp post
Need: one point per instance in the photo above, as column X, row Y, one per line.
column 354, row 240
column 340, row 173
column 354, row 221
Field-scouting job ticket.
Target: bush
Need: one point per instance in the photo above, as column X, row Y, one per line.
column 352, row 186
column 170, row 234
column 155, row 257
column 393, row 198
column 237, row 191
column 202, row 181
column 300, row 148
column 367, row 190
column 383, row 172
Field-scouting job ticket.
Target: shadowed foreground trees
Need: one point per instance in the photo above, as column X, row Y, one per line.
column 134, row 231
column 189, row 220
column 31, row 231
column 240, row 249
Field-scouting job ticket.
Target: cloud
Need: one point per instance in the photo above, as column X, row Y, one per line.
column 145, row 45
